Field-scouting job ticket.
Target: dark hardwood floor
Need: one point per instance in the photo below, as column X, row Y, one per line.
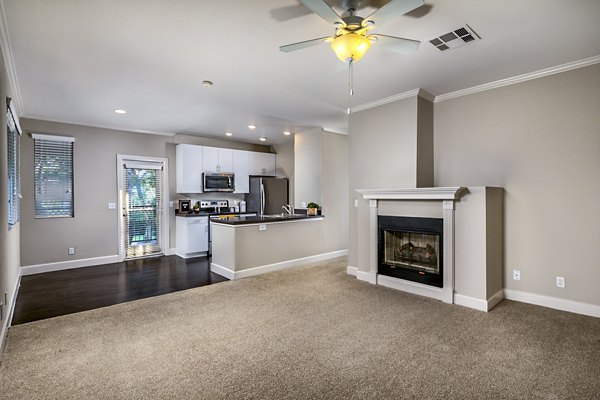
column 57, row 293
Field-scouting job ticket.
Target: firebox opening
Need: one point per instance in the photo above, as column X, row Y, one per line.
column 411, row 248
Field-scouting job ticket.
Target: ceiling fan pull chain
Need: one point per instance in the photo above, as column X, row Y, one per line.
column 350, row 85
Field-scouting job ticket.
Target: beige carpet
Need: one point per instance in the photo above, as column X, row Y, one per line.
column 304, row 333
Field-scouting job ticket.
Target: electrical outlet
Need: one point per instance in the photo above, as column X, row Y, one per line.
column 262, row 227
column 560, row 282
column 303, row 204
column 171, row 204
column 516, row 275
column 112, row 206
column 71, row 251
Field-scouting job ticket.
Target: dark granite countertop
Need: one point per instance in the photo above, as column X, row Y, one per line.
column 259, row 219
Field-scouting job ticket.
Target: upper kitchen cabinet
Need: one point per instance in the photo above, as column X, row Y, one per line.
column 241, row 171
column 217, row 160
column 189, row 168
column 262, row 164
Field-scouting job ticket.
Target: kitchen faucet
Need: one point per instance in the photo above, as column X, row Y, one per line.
column 289, row 209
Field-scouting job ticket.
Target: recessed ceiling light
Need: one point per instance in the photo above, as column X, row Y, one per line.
column 119, row 111
column 207, row 83
column 262, row 139
column 228, row 134
column 251, row 126
column 287, row 133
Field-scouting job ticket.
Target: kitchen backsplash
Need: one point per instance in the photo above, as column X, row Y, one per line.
column 232, row 198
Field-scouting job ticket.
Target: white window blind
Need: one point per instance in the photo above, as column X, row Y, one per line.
column 14, row 173
column 53, row 176
column 142, row 209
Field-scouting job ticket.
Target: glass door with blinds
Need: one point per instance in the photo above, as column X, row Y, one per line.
column 142, row 205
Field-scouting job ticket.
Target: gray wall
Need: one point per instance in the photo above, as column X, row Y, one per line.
column 285, row 164
column 9, row 240
column 334, row 191
column 386, row 151
column 93, row 230
column 308, row 165
column 540, row 140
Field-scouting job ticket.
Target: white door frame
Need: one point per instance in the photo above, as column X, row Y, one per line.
column 121, row 159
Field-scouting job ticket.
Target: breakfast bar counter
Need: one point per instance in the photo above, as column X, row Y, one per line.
column 247, row 246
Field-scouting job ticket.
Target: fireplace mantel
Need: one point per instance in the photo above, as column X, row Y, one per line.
column 446, row 196
column 472, row 276
column 434, row 193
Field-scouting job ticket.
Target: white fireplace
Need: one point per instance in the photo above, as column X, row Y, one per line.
column 471, row 276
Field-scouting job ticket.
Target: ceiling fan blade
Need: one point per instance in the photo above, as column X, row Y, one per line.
column 396, row 44
column 323, row 10
column 392, row 10
column 301, row 45
column 287, row 13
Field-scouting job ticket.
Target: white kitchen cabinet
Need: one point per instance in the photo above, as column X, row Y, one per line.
column 262, row 164
column 241, row 171
column 215, row 159
column 192, row 236
column 188, row 161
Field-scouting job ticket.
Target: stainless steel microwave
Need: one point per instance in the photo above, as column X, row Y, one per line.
column 218, row 182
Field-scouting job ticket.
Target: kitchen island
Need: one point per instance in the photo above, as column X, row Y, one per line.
column 247, row 246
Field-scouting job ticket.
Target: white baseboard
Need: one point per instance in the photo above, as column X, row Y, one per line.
column 553, row 302
column 191, row 255
column 351, row 270
column 479, row 304
column 58, row 266
column 220, row 270
column 9, row 315
column 495, row 299
column 263, row 269
column 366, row 276
column 470, row 302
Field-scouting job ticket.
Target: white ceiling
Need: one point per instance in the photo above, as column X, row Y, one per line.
column 77, row 60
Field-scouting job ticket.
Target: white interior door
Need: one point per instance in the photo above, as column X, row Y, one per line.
column 143, row 206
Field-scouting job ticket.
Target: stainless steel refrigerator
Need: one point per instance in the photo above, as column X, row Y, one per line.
column 267, row 196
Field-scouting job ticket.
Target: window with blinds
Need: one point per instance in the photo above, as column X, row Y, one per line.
column 14, row 174
column 53, row 176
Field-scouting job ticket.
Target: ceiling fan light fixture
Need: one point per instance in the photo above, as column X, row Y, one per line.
column 350, row 47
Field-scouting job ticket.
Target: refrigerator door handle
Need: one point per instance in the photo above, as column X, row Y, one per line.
column 262, row 199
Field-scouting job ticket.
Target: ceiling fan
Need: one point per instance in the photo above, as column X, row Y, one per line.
column 351, row 39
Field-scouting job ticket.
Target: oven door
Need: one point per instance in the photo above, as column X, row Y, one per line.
column 218, row 182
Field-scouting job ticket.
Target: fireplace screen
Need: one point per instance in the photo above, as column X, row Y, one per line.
column 415, row 251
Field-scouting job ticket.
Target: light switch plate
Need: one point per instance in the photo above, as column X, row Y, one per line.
column 262, row 227
column 356, row 203
column 171, row 204
column 112, row 206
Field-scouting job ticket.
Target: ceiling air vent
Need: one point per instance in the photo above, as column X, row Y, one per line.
column 456, row 38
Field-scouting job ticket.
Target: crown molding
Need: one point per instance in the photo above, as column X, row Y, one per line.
column 520, row 78
column 400, row 96
column 15, row 92
column 114, row 128
column 480, row 88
